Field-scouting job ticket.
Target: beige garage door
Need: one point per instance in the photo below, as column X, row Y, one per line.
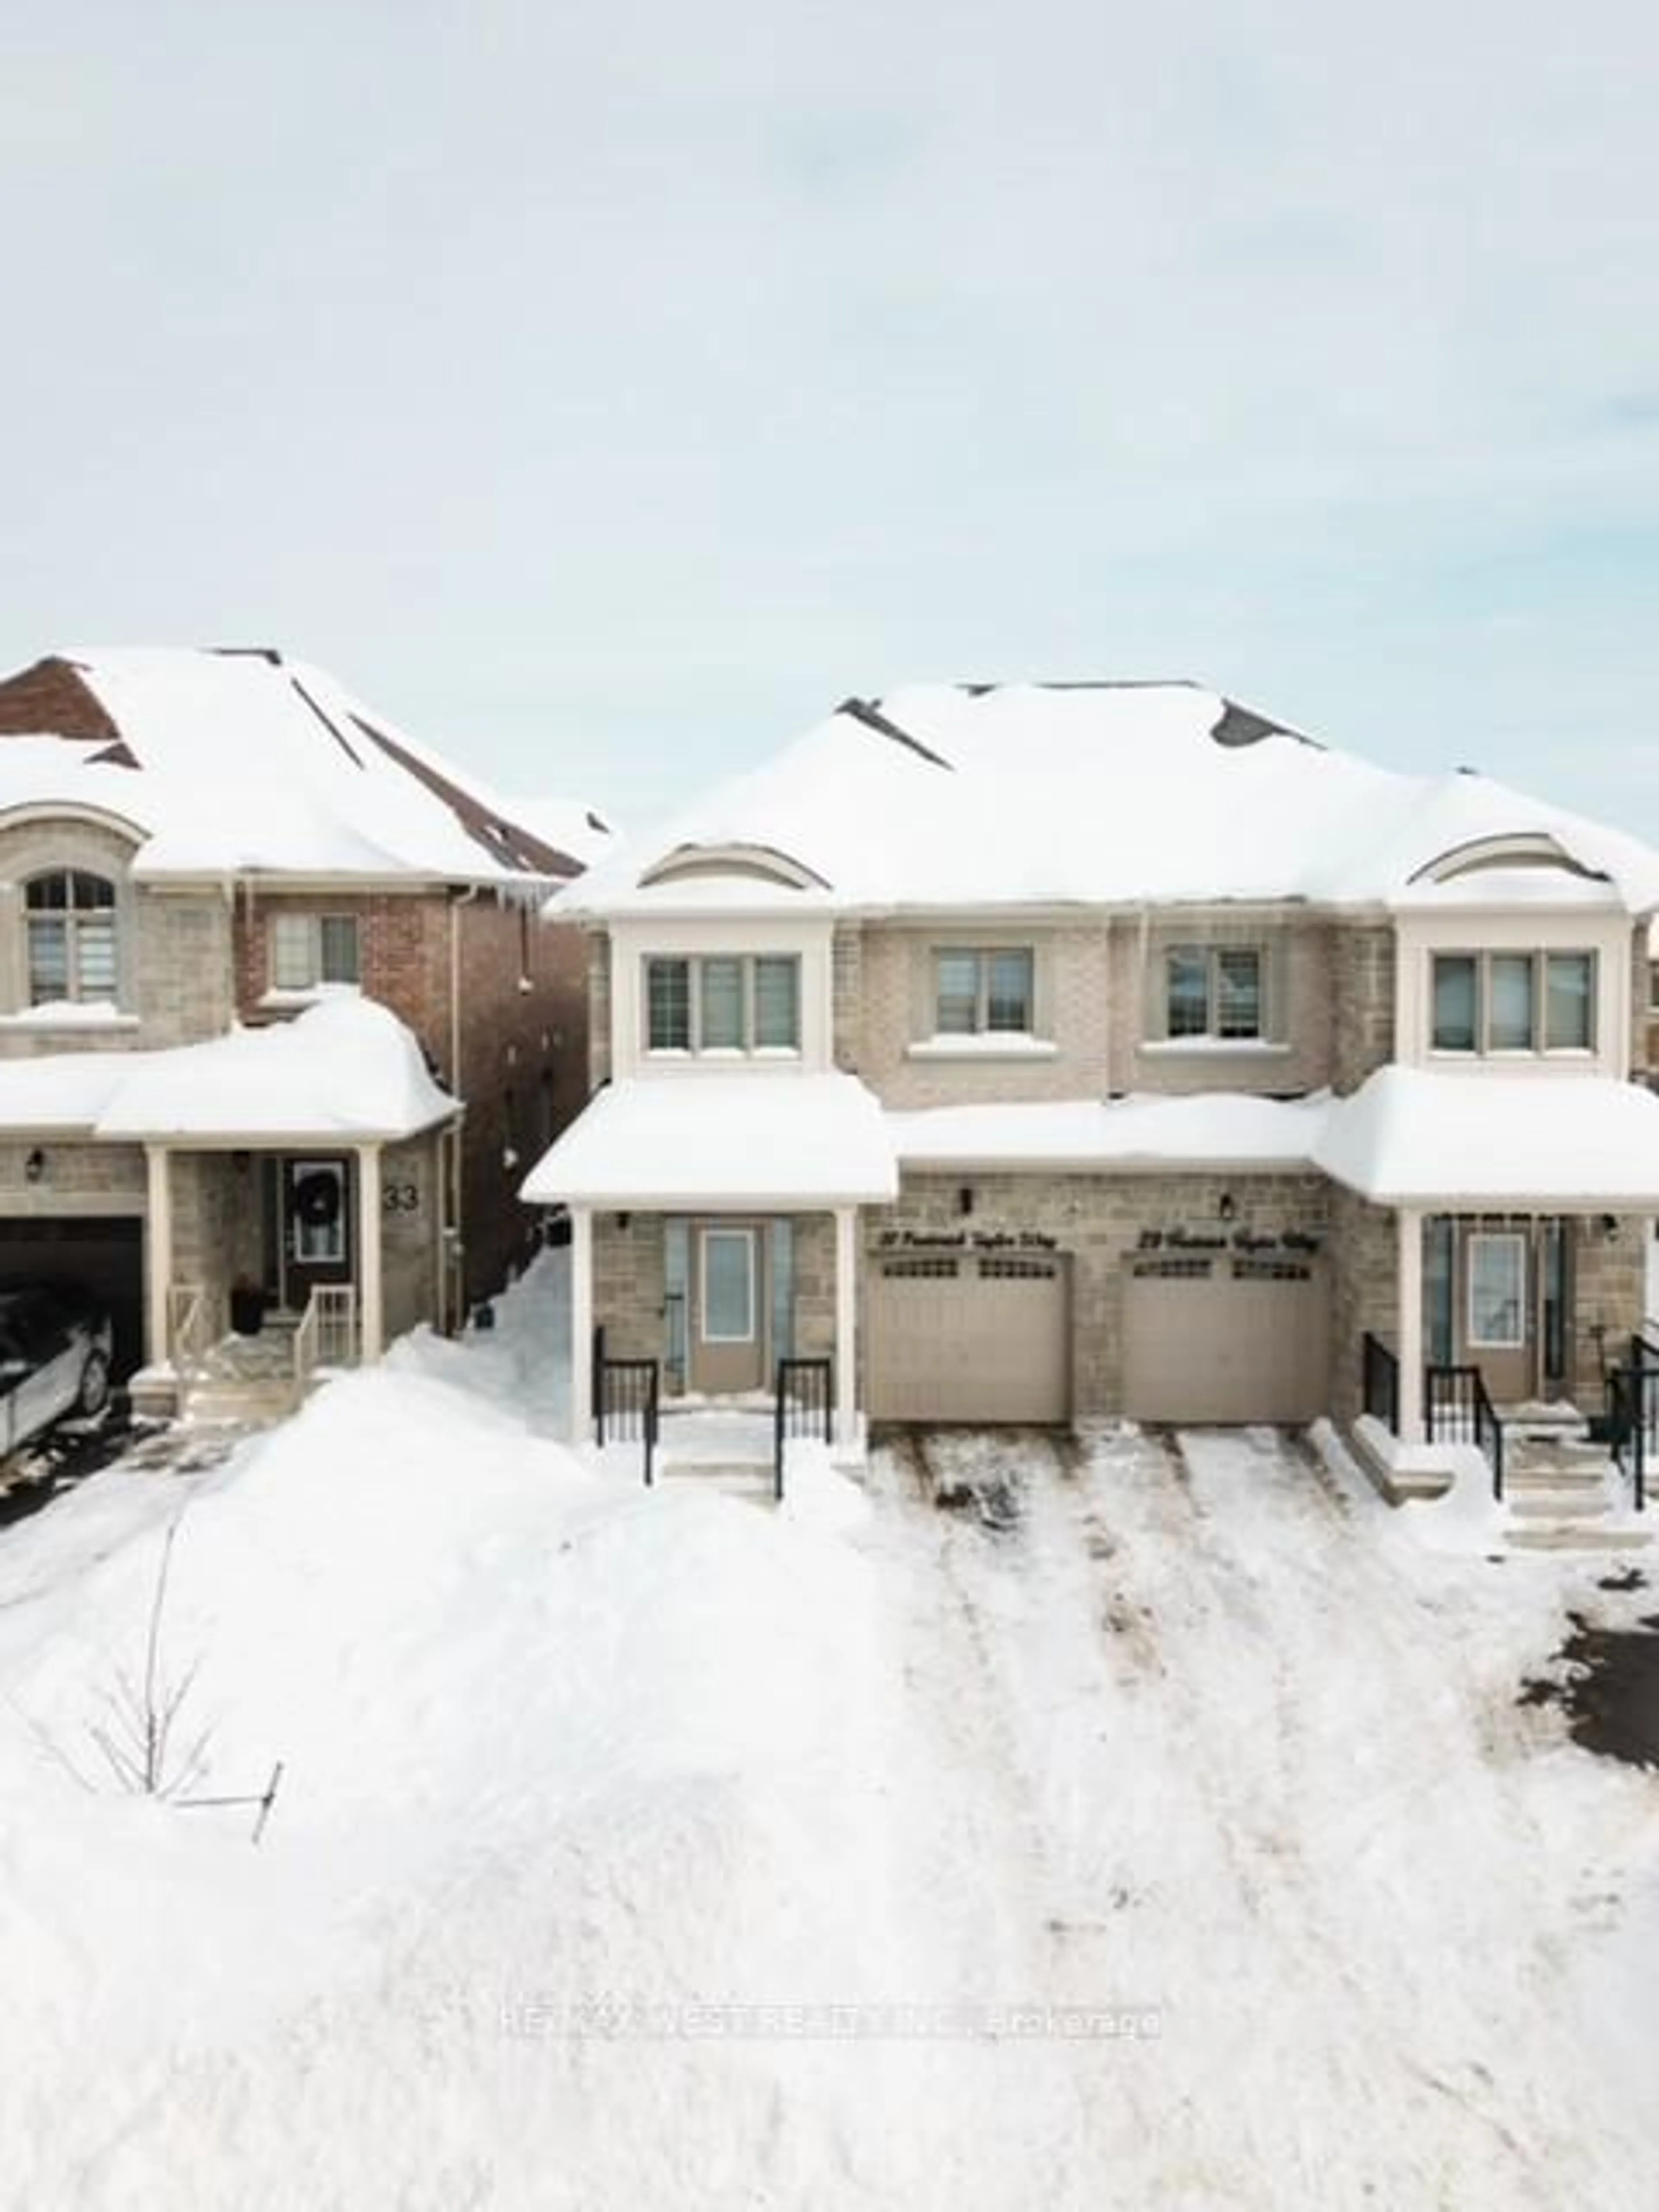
column 967, row 1337
column 1224, row 1339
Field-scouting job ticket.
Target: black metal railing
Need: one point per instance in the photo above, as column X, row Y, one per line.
column 804, row 1406
column 1380, row 1386
column 1458, row 1410
column 1634, row 1422
column 626, row 1401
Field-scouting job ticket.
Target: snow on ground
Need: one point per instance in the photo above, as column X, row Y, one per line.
column 1122, row 1823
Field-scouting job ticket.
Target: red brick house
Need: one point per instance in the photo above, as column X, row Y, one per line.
column 194, row 844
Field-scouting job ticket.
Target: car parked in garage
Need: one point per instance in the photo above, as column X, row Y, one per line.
column 55, row 1344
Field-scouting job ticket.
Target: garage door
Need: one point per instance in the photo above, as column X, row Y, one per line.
column 1224, row 1339
column 104, row 1255
column 971, row 1337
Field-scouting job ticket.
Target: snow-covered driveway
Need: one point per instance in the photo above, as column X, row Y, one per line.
column 1230, row 1745
column 1119, row 1823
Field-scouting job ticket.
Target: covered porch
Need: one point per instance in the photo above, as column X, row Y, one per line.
column 713, row 1236
column 295, row 1184
column 1507, row 1286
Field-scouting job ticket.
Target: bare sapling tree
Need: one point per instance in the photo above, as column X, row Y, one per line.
column 141, row 1736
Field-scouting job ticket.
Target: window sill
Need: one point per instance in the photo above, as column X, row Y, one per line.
column 988, row 1044
column 1563, row 1055
column 314, row 995
column 1214, row 1047
column 766, row 1055
column 69, row 1014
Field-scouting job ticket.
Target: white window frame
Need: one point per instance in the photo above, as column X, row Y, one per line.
column 287, row 920
column 695, row 1049
column 706, row 1239
column 982, row 955
column 1540, row 956
column 1477, row 1240
column 1212, row 955
column 74, row 920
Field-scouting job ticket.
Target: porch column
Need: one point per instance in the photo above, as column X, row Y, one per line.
column 847, row 1396
column 158, row 1254
column 581, row 1323
column 370, row 1281
column 1410, row 1304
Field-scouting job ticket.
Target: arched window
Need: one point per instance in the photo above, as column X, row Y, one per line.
column 70, row 918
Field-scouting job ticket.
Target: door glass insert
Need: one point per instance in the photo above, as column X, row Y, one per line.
column 1498, row 1291
column 728, row 1285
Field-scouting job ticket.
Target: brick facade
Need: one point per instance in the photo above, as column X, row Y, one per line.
column 509, row 1038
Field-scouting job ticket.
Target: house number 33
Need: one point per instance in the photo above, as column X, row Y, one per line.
column 401, row 1198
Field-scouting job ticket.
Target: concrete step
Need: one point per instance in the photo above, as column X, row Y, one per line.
column 1561, row 1505
column 238, row 1401
column 1586, row 1536
column 736, row 1479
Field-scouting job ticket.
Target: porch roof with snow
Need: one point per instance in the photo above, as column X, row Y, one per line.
column 766, row 1141
column 223, row 763
column 965, row 797
column 1220, row 1130
column 344, row 1071
column 1413, row 1137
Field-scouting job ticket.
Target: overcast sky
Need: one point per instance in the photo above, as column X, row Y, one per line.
column 604, row 392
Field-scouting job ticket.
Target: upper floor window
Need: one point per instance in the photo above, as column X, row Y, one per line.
column 1214, row 991
column 307, row 950
column 1495, row 1002
column 69, row 917
column 983, row 993
column 723, row 1003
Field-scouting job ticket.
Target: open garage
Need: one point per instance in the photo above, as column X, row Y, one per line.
column 1219, row 1337
column 968, row 1336
column 102, row 1254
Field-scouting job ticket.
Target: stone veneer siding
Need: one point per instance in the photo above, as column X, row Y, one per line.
column 628, row 1283
column 1364, row 1293
column 1098, row 1221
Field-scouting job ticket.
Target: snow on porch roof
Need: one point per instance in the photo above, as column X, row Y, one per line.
column 695, row 1140
column 346, row 1070
column 1410, row 1137
column 1221, row 1130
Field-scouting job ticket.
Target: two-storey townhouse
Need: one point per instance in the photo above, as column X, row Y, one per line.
column 1045, row 1052
column 278, row 1011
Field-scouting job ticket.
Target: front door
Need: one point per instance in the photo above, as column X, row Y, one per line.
column 314, row 1222
column 728, row 1308
column 1497, row 1311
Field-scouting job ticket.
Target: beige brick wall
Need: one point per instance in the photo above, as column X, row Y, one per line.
column 173, row 948
column 1610, row 1277
column 1362, row 1001
column 1364, row 1293
column 1299, row 989
column 884, row 1004
column 408, row 1234
column 599, row 1009
column 77, row 1177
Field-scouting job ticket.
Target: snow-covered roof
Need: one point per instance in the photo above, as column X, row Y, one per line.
column 758, row 1140
column 346, row 1070
column 222, row 762
column 1414, row 1136
column 970, row 797
column 1219, row 1130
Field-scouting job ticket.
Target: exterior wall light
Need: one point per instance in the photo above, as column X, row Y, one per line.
column 34, row 1168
